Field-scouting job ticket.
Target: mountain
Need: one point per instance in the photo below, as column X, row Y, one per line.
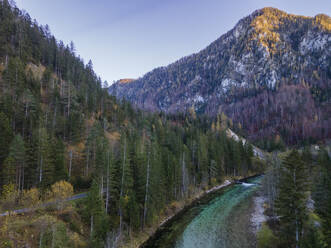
column 270, row 74
column 61, row 134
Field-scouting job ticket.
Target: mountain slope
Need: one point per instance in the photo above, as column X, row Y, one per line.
column 61, row 132
column 270, row 73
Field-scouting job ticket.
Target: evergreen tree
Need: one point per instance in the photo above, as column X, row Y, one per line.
column 292, row 200
column 6, row 137
column 97, row 216
column 15, row 163
column 322, row 194
column 58, row 159
column 45, row 163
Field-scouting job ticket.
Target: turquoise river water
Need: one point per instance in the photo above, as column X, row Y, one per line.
column 220, row 220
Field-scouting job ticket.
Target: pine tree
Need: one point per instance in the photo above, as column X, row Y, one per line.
column 147, row 186
column 292, row 199
column 98, row 218
column 126, row 180
column 58, row 159
column 32, row 151
column 322, row 194
column 45, row 163
column 6, row 137
column 15, row 163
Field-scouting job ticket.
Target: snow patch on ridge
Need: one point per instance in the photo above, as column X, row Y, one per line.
column 273, row 80
column 198, row 98
column 227, row 82
column 240, row 67
column 314, row 42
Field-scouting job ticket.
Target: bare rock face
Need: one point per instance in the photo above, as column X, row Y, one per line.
column 271, row 73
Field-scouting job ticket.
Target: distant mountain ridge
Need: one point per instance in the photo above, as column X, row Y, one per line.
column 271, row 74
column 125, row 80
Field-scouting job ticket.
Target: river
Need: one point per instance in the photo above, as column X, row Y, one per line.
column 220, row 220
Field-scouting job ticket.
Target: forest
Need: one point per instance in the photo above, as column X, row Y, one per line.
column 80, row 168
column 297, row 189
column 62, row 134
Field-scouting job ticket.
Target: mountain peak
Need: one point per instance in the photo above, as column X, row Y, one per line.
column 270, row 23
column 269, row 54
column 324, row 21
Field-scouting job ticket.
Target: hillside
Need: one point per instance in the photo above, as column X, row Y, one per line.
column 61, row 133
column 270, row 74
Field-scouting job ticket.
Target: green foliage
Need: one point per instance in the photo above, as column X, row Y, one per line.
column 265, row 238
column 298, row 214
column 45, row 164
column 52, row 104
column 6, row 244
column 60, row 236
column 322, row 194
column 14, row 164
column 56, row 236
column 6, row 136
column 98, row 218
column 272, row 144
column 292, row 199
column 313, row 236
column 58, row 159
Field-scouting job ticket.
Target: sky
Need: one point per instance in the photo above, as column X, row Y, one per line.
column 128, row 38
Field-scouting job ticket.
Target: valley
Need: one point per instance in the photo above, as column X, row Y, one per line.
column 148, row 162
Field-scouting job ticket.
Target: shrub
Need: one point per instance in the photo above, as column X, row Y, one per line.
column 9, row 196
column 213, row 182
column 30, row 197
column 61, row 190
column 265, row 238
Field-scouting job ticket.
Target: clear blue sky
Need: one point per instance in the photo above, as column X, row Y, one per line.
column 127, row 38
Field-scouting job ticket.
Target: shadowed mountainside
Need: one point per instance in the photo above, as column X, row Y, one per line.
column 270, row 74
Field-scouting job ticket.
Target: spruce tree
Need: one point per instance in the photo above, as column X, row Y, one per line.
column 45, row 163
column 58, row 159
column 15, row 163
column 322, row 194
column 97, row 215
column 6, row 137
column 292, row 200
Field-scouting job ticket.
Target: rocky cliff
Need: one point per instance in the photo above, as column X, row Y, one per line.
column 271, row 74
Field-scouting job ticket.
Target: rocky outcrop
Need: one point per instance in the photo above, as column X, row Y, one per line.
column 269, row 66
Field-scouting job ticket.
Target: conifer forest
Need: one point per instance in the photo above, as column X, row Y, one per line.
column 81, row 167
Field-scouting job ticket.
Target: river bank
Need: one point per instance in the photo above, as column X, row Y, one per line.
column 258, row 216
column 192, row 209
column 136, row 240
